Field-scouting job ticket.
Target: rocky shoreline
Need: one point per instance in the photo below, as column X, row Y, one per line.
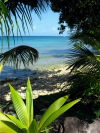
column 44, row 82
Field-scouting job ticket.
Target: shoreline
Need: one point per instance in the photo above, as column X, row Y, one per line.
column 44, row 82
column 42, row 64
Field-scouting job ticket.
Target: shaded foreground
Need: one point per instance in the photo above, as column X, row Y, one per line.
column 47, row 86
column 44, row 82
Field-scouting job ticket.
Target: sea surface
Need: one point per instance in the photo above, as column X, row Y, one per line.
column 52, row 50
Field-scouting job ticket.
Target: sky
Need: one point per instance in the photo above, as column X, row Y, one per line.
column 46, row 26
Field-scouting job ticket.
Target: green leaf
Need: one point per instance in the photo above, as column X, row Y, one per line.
column 57, row 113
column 4, row 128
column 16, row 121
column 5, row 1
column 33, row 127
column 11, row 126
column 4, row 117
column 54, row 107
column 46, row 130
column 2, row 64
column 3, row 9
column 7, row 125
column 19, row 106
column 29, row 101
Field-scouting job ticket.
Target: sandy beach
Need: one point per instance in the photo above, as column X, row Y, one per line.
column 44, row 82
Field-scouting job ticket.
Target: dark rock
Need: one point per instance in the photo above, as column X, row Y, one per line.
column 75, row 125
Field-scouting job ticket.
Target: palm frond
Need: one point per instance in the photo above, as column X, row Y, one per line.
column 18, row 55
column 85, row 80
column 23, row 10
column 84, row 59
column 91, row 38
column 13, row 11
column 5, row 19
column 84, row 85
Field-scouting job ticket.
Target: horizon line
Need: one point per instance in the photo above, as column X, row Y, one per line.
column 37, row 36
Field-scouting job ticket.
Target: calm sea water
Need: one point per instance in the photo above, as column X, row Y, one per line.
column 52, row 50
column 46, row 45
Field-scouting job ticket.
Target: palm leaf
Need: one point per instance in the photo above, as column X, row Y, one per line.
column 5, row 23
column 29, row 101
column 19, row 106
column 83, row 58
column 4, row 117
column 13, row 11
column 57, row 113
column 22, row 10
column 17, row 55
column 2, row 64
column 6, row 128
column 90, row 38
column 53, row 108
column 16, row 121
column 85, row 80
column 6, row 124
column 33, row 127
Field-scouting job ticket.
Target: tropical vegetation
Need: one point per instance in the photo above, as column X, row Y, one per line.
column 11, row 12
column 83, row 18
column 26, row 122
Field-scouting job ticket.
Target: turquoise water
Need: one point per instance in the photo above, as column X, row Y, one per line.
column 46, row 45
column 52, row 51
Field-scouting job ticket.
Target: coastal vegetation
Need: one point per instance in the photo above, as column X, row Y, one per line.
column 82, row 17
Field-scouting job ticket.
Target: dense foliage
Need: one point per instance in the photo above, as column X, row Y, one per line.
column 78, row 14
column 83, row 17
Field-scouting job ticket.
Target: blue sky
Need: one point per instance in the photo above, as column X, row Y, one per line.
column 46, row 26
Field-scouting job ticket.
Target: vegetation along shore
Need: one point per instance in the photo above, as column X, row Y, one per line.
column 61, row 32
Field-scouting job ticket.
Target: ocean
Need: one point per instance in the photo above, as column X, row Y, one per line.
column 52, row 50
